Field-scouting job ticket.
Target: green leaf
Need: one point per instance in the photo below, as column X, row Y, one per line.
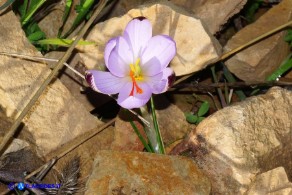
column 83, row 9
column 288, row 37
column 63, row 42
column 250, row 9
column 6, row 4
column 204, row 108
column 36, row 36
column 200, row 119
column 191, row 118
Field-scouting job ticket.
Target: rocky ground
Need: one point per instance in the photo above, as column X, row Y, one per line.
column 243, row 148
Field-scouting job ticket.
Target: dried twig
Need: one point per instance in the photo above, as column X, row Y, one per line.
column 210, row 86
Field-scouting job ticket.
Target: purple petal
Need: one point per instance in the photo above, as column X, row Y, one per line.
column 108, row 49
column 137, row 100
column 159, row 51
column 120, row 58
column 162, row 81
column 138, row 32
column 104, row 82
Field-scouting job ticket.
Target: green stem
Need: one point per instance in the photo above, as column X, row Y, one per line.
column 141, row 137
column 149, row 130
column 156, row 127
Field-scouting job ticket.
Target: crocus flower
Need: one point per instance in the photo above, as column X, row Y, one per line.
column 137, row 64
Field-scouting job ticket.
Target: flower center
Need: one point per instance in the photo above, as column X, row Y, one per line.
column 135, row 74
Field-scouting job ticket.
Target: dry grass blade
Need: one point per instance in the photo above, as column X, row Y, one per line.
column 43, row 86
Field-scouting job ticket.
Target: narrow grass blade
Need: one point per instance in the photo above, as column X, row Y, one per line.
column 150, row 130
column 226, row 93
column 31, row 11
column 230, row 78
column 284, row 67
column 83, row 10
column 63, row 42
column 219, row 91
column 6, row 4
column 141, row 137
column 23, row 9
column 156, row 127
column 67, row 10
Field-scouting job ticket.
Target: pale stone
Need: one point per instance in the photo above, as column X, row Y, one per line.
column 16, row 144
column 214, row 13
column 57, row 117
column 235, row 143
column 259, row 61
column 206, row 10
column 77, row 86
column 145, row 173
column 196, row 47
column 274, row 182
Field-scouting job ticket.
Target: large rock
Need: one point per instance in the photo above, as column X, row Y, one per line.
column 271, row 182
column 196, row 47
column 57, row 117
column 208, row 11
column 259, row 61
column 236, row 143
column 144, row 173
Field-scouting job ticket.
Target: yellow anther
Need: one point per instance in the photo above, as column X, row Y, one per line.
column 136, row 70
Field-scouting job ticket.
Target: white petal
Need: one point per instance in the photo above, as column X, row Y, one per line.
column 125, row 100
column 105, row 82
column 120, row 58
column 108, row 49
column 162, row 81
column 159, row 51
column 138, row 32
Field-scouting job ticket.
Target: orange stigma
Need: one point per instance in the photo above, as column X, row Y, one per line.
column 135, row 85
